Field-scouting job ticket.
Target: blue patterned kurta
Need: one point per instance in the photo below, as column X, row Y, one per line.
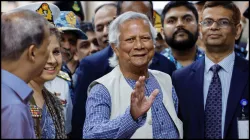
column 98, row 108
column 47, row 124
column 168, row 53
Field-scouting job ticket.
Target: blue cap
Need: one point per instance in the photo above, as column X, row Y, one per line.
column 68, row 21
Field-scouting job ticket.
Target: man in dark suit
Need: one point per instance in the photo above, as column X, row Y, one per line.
column 97, row 65
column 196, row 85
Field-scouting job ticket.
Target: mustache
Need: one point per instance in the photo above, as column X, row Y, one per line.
column 181, row 30
column 67, row 53
column 184, row 44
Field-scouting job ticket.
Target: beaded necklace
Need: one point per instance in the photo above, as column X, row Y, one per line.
column 36, row 113
column 54, row 107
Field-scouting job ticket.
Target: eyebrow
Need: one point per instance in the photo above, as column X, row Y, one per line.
column 134, row 36
column 217, row 19
column 84, row 42
column 99, row 24
column 184, row 16
column 187, row 15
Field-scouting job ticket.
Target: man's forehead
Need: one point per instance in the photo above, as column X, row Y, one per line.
column 90, row 35
column 135, row 23
column 137, row 20
column 69, row 34
column 104, row 12
column 136, row 6
column 105, row 8
column 217, row 12
column 179, row 12
column 102, row 22
column 143, row 7
column 136, row 3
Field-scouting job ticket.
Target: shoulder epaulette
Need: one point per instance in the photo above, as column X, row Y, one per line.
column 63, row 75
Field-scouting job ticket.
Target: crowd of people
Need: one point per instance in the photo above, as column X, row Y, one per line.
column 64, row 77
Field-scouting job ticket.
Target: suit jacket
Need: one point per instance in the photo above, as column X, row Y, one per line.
column 188, row 83
column 95, row 66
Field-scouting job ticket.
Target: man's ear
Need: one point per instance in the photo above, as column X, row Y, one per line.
column 238, row 31
column 153, row 20
column 200, row 29
column 32, row 53
column 162, row 33
column 115, row 49
column 76, row 57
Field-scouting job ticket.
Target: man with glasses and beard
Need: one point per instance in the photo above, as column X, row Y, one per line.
column 180, row 29
column 213, row 91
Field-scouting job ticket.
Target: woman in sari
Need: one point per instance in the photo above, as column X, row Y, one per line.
column 45, row 107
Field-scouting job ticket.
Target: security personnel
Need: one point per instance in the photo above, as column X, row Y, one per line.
column 69, row 25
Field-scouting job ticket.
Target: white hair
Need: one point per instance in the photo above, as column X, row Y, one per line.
column 114, row 31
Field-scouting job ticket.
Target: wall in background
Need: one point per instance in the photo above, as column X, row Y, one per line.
column 89, row 8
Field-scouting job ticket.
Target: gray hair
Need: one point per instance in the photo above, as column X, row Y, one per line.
column 19, row 30
column 114, row 31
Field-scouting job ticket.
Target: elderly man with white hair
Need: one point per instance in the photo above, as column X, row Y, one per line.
column 132, row 101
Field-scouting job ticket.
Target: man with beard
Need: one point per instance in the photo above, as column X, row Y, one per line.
column 180, row 29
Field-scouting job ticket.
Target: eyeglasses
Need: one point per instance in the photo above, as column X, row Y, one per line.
column 221, row 23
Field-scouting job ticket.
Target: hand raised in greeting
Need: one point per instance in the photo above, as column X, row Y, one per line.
column 140, row 104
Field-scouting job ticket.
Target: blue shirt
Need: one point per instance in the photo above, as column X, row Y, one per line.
column 225, row 75
column 168, row 53
column 16, row 119
column 98, row 108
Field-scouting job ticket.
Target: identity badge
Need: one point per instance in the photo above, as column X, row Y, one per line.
column 243, row 122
